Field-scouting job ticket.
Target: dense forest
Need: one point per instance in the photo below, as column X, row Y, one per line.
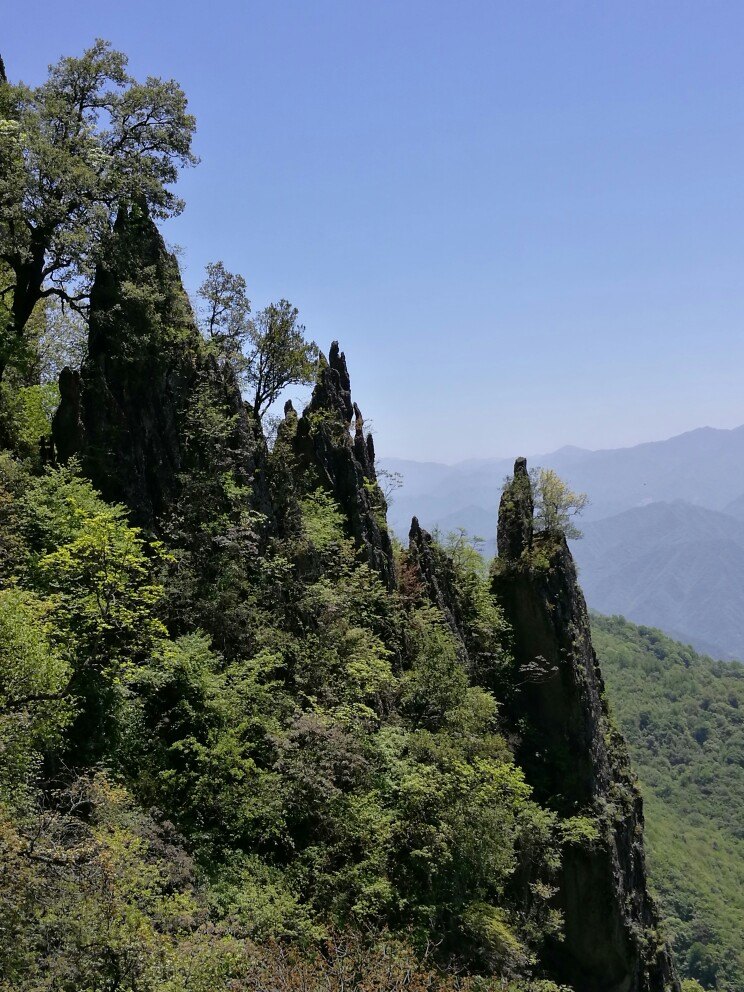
column 683, row 717
column 249, row 740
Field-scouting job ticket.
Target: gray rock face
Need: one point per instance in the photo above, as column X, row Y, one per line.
column 328, row 455
column 333, row 388
column 67, row 424
column 577, row 764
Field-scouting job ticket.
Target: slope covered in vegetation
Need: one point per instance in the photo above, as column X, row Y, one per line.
column 683, row 717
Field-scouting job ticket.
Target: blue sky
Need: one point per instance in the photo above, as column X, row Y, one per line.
column 523, row 220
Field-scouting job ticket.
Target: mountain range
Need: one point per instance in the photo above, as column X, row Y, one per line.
column 663, row 533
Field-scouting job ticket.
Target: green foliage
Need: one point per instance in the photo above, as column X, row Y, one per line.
column 556, row 505
column 225, row 316
column 322, row 521
column 106, row 901
column 279, row 355
column 73, row 149
column 101, row 584
column 327, row 750
column 26, row 415
column 97, row 577
column 34, row 683
column 269, row 352
column 682, row 715
column 481, row 617
column 580, row 830
column 318, row 741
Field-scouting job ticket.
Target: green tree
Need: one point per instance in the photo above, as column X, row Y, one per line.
column 279, row 355
column 556, row 505
column 34, row 684
column 269, row 352
column 98, row 577
column 225, row 312
column 71, row 151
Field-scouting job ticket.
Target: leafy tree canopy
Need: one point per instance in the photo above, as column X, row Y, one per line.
column 269, row 352
column 71, row 151
column 556, row 505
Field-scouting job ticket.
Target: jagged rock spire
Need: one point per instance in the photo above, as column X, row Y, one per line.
column 516, row 510
column 344, row 465
column 333, row 388
column 364, row 448
column 337, row 362
column 131, row 413
column 437, row 577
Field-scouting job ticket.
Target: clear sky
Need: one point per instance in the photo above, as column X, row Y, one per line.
column 523, row 219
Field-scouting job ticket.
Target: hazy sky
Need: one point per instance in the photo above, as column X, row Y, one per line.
column 522, row 219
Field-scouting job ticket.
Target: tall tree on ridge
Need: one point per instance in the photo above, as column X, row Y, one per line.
column 71, row 151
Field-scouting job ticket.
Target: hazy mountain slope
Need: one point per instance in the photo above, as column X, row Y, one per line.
column 735, row 508
column 704, row 467
column 673, row 565
column 683, row 717
column 658, row 547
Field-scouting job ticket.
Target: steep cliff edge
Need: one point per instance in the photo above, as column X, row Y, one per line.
column 575, row 761
column 150, row 402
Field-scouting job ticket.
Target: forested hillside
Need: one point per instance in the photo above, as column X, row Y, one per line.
column 248, row 740
column 683, row 717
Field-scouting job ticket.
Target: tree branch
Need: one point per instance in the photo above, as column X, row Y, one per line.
column 13, row 705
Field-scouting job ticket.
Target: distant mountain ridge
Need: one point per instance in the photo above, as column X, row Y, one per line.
column 664, row 531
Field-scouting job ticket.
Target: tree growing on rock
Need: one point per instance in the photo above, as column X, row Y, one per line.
column 225, row 313
column 556, row 505
column 269, row 352
column 72, row 151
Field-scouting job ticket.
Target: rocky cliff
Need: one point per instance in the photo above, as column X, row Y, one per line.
column 575, row 761
column 329, row 456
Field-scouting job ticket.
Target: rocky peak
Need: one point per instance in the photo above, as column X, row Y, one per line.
column 516, row 510
column 328, row 456
column 364, row 447
column 436, row 575
column 575, row 761
column 333, row 387
column 131, row 411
